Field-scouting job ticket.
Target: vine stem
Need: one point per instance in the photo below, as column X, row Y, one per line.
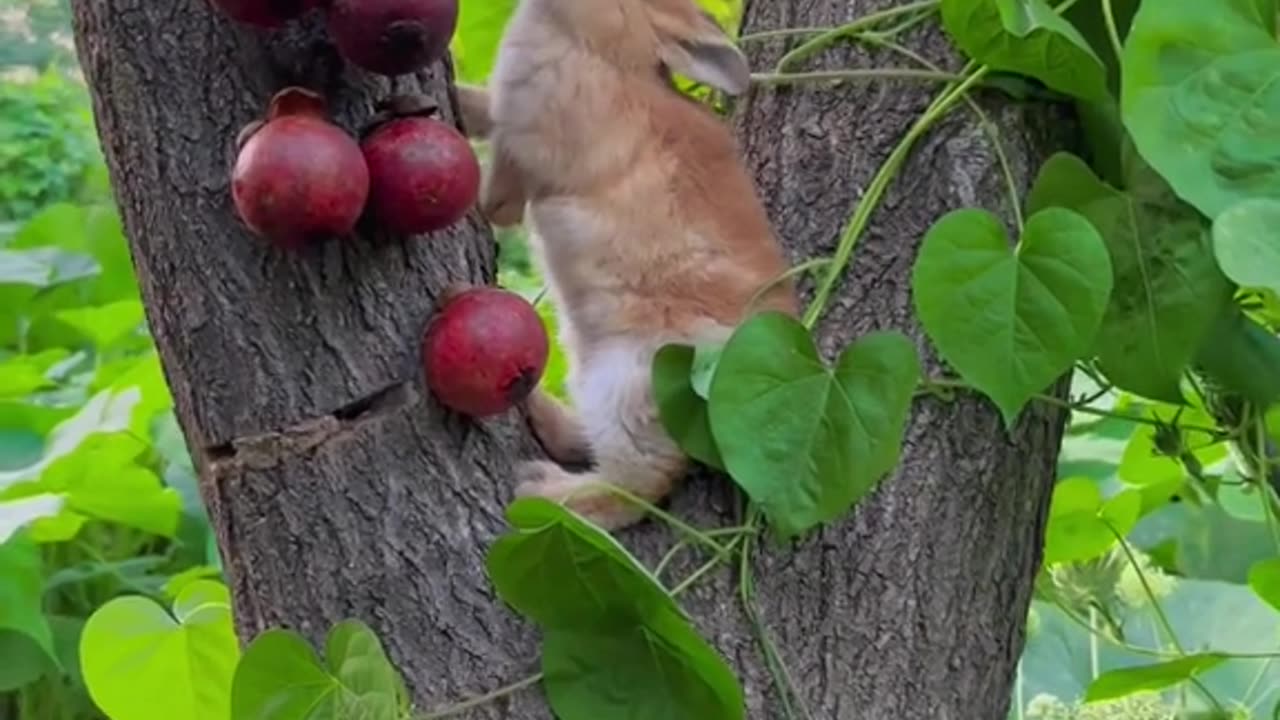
column 993, row 133
column 808, row 48
column 880, row 184
column 782, row 277
column 1158, row 609
column 860, row 74
column 465, row 705
column 1113, row 31
column 934, row 385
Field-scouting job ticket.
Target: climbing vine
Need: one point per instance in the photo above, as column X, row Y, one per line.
column 1149, row 265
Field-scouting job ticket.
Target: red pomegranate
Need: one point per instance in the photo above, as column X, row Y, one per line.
column 423, row 175
column 484, row 351
column 392, row 37
column 265, row 13
column 299, row 177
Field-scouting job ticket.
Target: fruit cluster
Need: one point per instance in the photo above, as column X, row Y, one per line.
column 298, row 177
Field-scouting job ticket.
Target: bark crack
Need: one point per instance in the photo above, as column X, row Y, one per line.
column 268, row 449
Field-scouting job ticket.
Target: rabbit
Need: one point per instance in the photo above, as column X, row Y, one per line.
column 646, row 224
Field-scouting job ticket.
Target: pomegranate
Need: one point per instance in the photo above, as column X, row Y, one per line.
column 298, row 177
column 484, row 351
column 265, row 13
column 392, row 37
column 423, row 174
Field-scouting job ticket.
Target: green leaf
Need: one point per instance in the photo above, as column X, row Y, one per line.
column 1202, row 98
column 662, row 669
column 1264, row 580
column 44, row 267
column 1130, row 680
column 1028, row 37
column 105, row 412
column 1012, row 321
column 21, row 595
column 105, row 325
column 615, row 642
column 1167, row 289
column 18, row 513
column 1079, row 520
column 806, row 442
column 682, row 411
column 1243, row 357
column 141, row 662
column 101, row 479
column 1246, row 242
column 562, row 572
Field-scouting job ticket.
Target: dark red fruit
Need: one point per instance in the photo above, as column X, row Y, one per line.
column 484, row 351
column 393, row 37
column 423, row 175
column 265, row 13
column 299, row 177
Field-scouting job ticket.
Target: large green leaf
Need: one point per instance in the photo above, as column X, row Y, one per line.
column 1028, row 37
column 1242, row 357
column 1080, row 522
column 17, row 513
column 615, row 642
column 143, row 663
column 1012, row 321
column 682, row 411
column 1202, row 98
column 281, row 678
column 806, row 441
column 661, row 669
column 562, row 572
column 106, row 412
column 1246, row 242
column 104, row 325
column 44, row 267
column 1167, row 289
column 21, row 596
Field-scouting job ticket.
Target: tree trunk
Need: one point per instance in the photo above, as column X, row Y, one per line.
column 338, row 488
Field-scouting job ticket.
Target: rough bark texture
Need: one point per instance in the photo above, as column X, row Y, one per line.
column 339, row 489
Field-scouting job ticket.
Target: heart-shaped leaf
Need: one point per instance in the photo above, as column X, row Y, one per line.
column 1167, row 291
column 1202, row 98
column 1246, row 242
column 21, row 597
column 1028, row 37
column 661, row 669
column 1264, row 579
column 614, row 641
column 1011, row 322
column 281, row 678
column 803, row 440
column 1080, row 523
column 562, row 572
column 1130, row 680
column 140, row 662
column 682, row 411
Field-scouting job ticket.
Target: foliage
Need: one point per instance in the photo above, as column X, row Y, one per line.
column 47, row 149
column 1140, row 270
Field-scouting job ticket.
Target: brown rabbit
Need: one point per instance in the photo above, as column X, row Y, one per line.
column 646, row 223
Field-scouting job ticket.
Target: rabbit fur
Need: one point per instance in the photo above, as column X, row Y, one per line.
column 645, row 221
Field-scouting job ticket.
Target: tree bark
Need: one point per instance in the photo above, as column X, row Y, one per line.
column 338, row 487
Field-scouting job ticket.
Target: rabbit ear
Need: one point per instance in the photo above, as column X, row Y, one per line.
column 691, row 44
